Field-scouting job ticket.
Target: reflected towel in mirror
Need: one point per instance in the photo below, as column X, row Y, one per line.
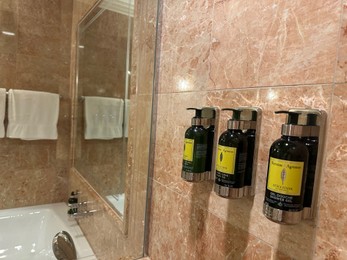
column 103, row 117
column 32, row 115
column 2, row 111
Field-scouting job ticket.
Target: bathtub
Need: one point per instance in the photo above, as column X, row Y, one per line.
column 27, row 233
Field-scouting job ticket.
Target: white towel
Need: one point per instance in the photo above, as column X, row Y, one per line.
column 103, row 118
column 126, row 116
column 32, row 115
column 2, row 111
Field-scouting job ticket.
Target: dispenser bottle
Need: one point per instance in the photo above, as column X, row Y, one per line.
column 231, row 159
column 286, row 176
column 210, row 138
column 311, row 141
column 195, row 150
column 250, row 134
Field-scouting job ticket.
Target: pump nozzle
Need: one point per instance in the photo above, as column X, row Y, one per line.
column 196, row 120
column 293, row 117
column 197, row 111
column 254, row 115
column 236, row 113
column 311, row 119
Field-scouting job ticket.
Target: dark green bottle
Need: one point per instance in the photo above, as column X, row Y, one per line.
column 231, row 159
column 210, row 138
column 287, row 171
column 249, row 174
column 311, row 141
column 195, row 150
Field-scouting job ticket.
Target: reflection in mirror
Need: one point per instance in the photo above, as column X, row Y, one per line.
column 104, row 39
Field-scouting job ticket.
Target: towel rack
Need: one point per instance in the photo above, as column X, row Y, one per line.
column 60, row 96
column 82, row 98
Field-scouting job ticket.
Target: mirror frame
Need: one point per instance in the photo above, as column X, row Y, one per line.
column 122, row 221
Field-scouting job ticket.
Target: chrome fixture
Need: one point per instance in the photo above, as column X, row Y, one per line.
column 79, row 209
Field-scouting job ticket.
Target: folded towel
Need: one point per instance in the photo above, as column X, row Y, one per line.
column 32, row 115
column 2, row 111
column 126, row 116
column 103, row 118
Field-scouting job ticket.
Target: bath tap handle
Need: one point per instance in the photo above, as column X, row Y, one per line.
column 79, row 204
column 82, row 214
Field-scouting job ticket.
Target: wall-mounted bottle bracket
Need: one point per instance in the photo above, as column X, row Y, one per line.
column 294, row 167
column 199, row 143
column 316, row 129
column 237, row 151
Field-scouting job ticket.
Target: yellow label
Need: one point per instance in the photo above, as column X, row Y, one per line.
column 225, row 161
column 188, row 149
column 285, row 177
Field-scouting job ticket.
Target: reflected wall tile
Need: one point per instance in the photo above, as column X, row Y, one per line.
column 333, row 203
column 81, row 7
column 341, row 72
column 185, row 45
column 273, row 43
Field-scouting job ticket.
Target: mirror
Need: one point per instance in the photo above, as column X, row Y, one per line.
column 102, row 99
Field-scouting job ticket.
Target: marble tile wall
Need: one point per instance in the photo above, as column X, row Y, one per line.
column 272, row 54
column 37, row 57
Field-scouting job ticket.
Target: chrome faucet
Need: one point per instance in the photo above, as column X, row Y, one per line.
column 79, row 209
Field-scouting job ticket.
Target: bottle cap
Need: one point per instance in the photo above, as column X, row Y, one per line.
column 235, row 122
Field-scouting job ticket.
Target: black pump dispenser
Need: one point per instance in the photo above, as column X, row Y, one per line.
column 292, row 118
column 287, row 171
column 196, row 120
column 249, row 188
column 210, row 137
column 195, row 150
column 231, row 158
column 311, row 141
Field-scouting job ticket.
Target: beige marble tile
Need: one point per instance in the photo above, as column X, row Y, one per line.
column 7, row 70
column 173, row 225
column 8, row 23
column 273, row 43
column 48, row 12
column 8, row 5
column 39, row 73
column 341, row 70
column 38, row 39
column 35, row 172
column 185, row 45
column 246, row 214
column 333, row 203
